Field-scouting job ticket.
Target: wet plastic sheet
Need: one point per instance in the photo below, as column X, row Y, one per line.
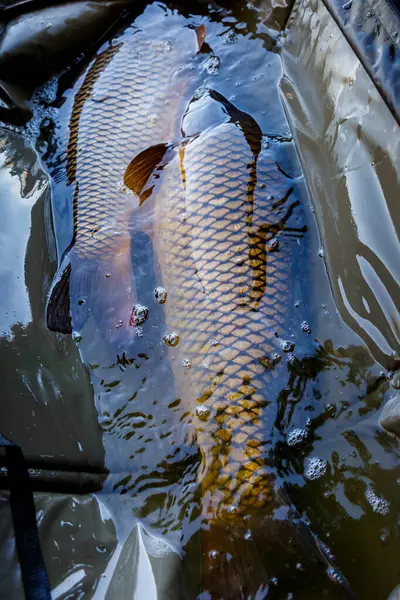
column 84, row 557
column 349, row 144
column 37, row 44
column 43, row 414
column 92, row 545
column 372, row 29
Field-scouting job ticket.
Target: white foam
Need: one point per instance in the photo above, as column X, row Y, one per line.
column 296, row 436
column 316, row 468
column 211, row 65
column 379, row 505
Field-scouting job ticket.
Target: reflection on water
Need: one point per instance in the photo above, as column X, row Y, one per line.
column 350, row 155
column 38, row 395
column 242, row 379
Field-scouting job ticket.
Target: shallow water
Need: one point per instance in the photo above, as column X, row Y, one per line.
column 324, row 443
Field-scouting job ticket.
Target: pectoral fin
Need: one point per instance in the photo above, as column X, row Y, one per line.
column 144, row 169
column 201, row 36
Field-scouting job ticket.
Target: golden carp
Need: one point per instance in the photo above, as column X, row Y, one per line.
column 227, row 271
column 130, row 99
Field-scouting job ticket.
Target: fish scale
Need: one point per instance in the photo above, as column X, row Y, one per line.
column 226, row 298
column 134, row 85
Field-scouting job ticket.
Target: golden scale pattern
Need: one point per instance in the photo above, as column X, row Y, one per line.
column 119, row 111
column 226, row 296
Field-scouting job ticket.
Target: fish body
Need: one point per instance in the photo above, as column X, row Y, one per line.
column 129, row 99
column 221, row 213
column 227, row 296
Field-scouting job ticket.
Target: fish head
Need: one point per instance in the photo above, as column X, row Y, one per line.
column 188, row 39
column 203, row 112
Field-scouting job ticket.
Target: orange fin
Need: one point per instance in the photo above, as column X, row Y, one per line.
column 58, row 313
column 201, row 35
column 143, row 167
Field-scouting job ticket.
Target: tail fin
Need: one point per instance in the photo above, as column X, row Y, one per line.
column 70, row 301
column 265, row 558
column 58, row 309
column 102, row 289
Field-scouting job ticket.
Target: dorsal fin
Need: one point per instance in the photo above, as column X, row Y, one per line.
column 85, row 91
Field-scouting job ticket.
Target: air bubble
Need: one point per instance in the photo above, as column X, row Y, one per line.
column 335, row 576
column 139, row 314
column 211, row 65
column 247, row 536
column 287, row 346
column 108, row 275
column 321, row 253
column 297, row 304
column 348, row 5
column 239, row 83
column 296, row 436
column 396, row 381
column 119, row 324
column 82, row 301
column 202, row 412
column 167, row 46
column 186, row 363
column 305, row 327
column 265, row 144
column 160, row 295
column 213, row 554
column 230, row 37
column 385, row 534
column 171, row 339
column 316, row 468
column 327, row 551
column 99, row 96
column 153, row 119
column 378, row 505
column 273, row 246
